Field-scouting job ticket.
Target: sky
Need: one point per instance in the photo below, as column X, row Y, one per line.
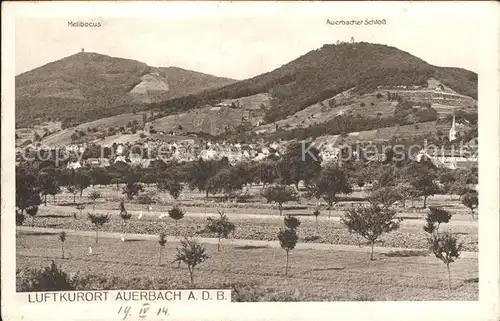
column 236, row 46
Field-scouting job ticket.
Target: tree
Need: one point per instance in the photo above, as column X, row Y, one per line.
column 32, row 211
column 370, row 222
column 62, row 238
column 27, row 189
column 81, row 181
column 147, row 198
column 200, row 172
column 434, row 218
column 19, row 218
column 279, row 194
column 48, row 186
column 447, row 178
column 385, row 196
column 225, row 180
column 221, row 226
column 162, row 241
column 460, row 188
column 316, row 213
column 288, row 240
column 94, row 196
column 125, row 216
column 424, row 183
column 176, row 213
column 471, row 200
column 132, row 188
column 299, row 162
column 264, row 172
column 192, row 254
column 80, row 208
column 331, row 182
column 72, row 190
column 446, row 248
column 172, row 186
column 98, row 220
column 407, row 192
column 385, row 176
column 99, row 176
column 291, row 222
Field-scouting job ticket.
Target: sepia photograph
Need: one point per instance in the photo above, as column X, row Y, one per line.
column 298, row 156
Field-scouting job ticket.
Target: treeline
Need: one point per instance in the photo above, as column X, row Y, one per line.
column 36, row 180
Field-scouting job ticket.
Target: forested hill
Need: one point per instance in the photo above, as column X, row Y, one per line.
column 88, row 86
column 325, row 72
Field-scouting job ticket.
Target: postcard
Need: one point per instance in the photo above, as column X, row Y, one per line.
column 250, row 161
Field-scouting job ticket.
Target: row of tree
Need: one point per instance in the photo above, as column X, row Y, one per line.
column 370, row 222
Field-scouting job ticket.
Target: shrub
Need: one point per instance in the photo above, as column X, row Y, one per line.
column 221, row 226
column 370, row 222
column 192, row 254
column 50, row 278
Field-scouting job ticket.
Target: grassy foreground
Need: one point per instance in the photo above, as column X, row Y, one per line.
column 256, row 273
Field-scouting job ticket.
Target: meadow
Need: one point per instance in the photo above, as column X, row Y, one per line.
column 253, row 264
column 256, row 272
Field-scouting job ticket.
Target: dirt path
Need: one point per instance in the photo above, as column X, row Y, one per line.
column 236, row 242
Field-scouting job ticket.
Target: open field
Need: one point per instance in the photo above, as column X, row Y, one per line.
column 328, row 263
column 254, row 220
column 257, row 272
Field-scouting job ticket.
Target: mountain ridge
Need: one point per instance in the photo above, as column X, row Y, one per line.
column 94, row 85
column 314, row 77
column 327, row 71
